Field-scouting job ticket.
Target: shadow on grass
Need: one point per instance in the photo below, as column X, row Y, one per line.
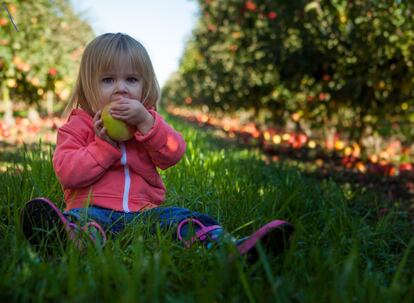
column 321, row 165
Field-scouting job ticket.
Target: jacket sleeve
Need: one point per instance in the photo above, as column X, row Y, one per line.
column 165, row 145
column 79, row 164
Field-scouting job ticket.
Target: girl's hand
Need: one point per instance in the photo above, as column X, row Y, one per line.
column 100, row 130
column 132, row 112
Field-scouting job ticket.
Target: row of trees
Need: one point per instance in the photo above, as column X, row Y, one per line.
column 38, row 59
column 330, row 64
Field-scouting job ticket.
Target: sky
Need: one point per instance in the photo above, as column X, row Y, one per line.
column 162, row 26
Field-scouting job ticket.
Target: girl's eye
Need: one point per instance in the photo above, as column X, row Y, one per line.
column 107, row 80
column 132, row 79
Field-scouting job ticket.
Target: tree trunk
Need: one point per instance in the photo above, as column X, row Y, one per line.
column 7, row 105
column 50, row 98
column 33, row 114
column 330, row 137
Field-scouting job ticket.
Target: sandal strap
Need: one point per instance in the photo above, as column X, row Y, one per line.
column 98, row 228
column 199, row 235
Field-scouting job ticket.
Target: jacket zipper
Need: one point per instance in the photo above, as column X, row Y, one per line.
column 127, row 184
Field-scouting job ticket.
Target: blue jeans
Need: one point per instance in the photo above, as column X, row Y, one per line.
column 115, row 221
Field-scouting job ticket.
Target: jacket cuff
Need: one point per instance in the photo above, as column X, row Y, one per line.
column 103, row 152
column 156, row 137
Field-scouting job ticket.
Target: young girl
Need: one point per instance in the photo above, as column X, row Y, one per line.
column 108, row 184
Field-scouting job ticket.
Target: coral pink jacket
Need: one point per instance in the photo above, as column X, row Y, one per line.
column 93, row 172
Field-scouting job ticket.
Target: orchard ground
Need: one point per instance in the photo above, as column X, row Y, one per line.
column 344, row 248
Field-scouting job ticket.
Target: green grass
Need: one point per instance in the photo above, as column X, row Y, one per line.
column 342, row 250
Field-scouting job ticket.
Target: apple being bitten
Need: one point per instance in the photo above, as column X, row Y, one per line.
column 116, row 129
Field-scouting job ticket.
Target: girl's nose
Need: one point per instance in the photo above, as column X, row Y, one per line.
column 120, row 87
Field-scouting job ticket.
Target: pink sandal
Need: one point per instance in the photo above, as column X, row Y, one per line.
column 199, row 235
column 274, row 236
column 95, row 232
column 44, row 225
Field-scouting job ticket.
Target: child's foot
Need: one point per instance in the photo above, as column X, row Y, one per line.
column 95, row 233
column 205, row 234
column 46, row 227
column 273, row 236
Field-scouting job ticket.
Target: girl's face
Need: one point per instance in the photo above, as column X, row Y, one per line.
column 120, row 82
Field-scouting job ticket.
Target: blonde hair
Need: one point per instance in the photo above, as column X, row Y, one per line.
column 104, row 53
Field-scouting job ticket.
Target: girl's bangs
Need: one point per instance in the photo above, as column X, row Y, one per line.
column 118, row 54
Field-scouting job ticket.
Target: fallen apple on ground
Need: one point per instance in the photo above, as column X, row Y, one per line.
column 116, row 129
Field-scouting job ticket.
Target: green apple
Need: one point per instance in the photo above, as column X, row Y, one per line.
column 116, row 129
